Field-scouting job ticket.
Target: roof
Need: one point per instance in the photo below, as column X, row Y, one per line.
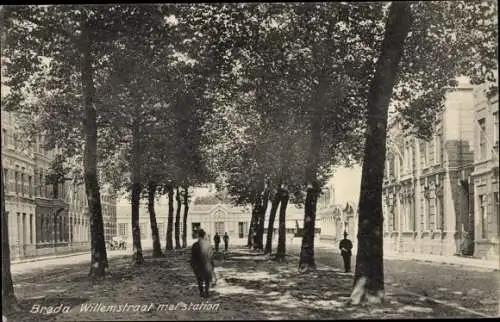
column 209, row 208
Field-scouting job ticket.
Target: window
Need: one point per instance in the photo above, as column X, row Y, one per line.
column 495, row 128
column 181, row 228
column 19, row 228
column 41, row 186
column 161, row 230
column 497, row 211
column 70, row 229
column 194, row 229
column 242, row 229
column 427, row 214
column 439, row 213
column 123, row 229
column 61, row 231
column 437, row 147
column 219, row 227
column 424, row 153
column 30, row 186
column 16, row 180
column 484, row 215
column 392, row 168
column 40, row 236
column 6, row 179
column 48, row 190
column 22, row 183
column 144, row 230
column 25, row 238
column 482, row 139
column 4, row 137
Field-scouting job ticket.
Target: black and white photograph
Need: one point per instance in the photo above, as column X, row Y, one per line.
column 250, row 161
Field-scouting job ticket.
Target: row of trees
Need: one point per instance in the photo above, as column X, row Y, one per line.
column 265, row 99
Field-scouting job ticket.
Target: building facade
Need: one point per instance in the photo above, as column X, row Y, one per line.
column 219, row 218
column 42, row 218
column 429, row 197
column 124, row 221
column 337, row 219
column 484, row 179
column 213, row 216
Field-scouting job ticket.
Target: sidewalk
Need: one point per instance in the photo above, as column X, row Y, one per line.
column 43, row 258
column 451, row 260
column 249, row 286
column 64, row 255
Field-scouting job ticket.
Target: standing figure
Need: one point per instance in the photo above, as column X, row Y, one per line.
column 226, row 240
column 345, row 250
column 202, row 263
column 216, row 241
column 467, row 245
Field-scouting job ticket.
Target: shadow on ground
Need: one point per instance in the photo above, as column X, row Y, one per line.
column 250, row 286
column 279, row 291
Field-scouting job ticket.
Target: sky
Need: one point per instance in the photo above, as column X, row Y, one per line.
column 347, row 183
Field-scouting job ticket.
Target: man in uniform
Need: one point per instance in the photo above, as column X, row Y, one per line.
column 226, row 241
column 345, row 250
column 216, row 241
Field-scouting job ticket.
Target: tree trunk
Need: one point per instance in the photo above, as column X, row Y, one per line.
column 170, row 220
column 9, row 301
column 152, row 219
column 253, row 224
column 270, row 225
column 306, row 261
column 136, row 192
column 178, row 219
column 98, row 260
column 136, row 231
column 280, row 253
column 369, row 274
column 186, row 209
column 261, row 219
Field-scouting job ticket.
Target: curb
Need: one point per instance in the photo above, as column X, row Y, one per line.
column 395, row 256
column 37, row 259
column 44, row 258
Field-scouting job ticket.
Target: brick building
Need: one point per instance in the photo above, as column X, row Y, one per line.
column 124, row 221
column 427, row 202
column 42, row 219
column 485, row 176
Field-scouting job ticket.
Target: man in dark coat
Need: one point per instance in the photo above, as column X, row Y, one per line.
column 467, row 245
column 202, row 263
column 226, row 240
column 345, row 250
column 216, row 241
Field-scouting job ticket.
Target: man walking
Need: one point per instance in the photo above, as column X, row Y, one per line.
column 216, row 241
column 202, row 263
column 345, row 250
column 226, row 241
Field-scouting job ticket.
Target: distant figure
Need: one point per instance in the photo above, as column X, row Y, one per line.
column 202, row 263
column 226, row 240
column 345, row 246
column 216, row 241
column 467, row 245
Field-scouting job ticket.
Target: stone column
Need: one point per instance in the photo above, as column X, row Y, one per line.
column 70, row 230
column 55, row 227
column 398, row 216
